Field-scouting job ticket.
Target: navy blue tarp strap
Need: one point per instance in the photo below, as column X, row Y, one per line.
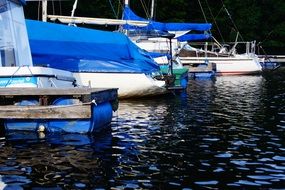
column 22, row 2
column 156, row 55
column 128, row 14
column 193, row 37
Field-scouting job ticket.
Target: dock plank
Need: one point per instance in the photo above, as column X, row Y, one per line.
column 46, row 112
column 49, row 91
column 100, row 95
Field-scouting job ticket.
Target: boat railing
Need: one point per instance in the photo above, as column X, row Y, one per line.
column 229, row 48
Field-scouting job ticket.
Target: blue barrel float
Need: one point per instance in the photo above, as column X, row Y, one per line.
column 101, row 117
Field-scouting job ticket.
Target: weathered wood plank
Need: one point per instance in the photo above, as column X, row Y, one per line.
column 46, row 112
column 51, row 91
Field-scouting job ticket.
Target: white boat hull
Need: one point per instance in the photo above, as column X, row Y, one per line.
column 239, row 65
column 129, row 84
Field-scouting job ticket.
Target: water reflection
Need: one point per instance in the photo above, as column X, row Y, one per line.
column 69, row 161
column 226, row 133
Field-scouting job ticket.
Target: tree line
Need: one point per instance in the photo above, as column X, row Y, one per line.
column 260, row 20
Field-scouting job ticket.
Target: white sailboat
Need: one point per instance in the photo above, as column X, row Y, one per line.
column 180, row 82
column 111, row 59
column 227, row 62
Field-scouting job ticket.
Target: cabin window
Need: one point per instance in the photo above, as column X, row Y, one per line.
column 7, row 52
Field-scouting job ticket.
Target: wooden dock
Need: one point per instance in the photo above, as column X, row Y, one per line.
column 10, row 98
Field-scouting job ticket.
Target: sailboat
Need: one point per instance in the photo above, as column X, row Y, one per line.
column 152, row 38
column 170, row 69
column 98, row 58
column 226, row 62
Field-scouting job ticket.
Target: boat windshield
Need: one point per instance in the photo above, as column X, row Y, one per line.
column 14, row 44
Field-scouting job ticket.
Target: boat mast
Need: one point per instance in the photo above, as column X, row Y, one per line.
column 44, row 10
column 126, row 32
column 152, row 10
column 126, row 3
column 72, row 12
column 74, row 8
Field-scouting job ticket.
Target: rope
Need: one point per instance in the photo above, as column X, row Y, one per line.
column 230, row 17
column 202, row 10
column 215, row 21
column 219, row 12
column 8, row 82
column 39, row 9
column 11, row 77
column 53, row 9
column 60, row 9
column 145, row 9
column 112, row 7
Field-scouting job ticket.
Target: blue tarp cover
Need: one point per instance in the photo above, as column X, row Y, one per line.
column 193, row 37
column 86, row 50
column 23, row 2
column 128, row 14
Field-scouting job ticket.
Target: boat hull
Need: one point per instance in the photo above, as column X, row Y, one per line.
column 228, row 66
column 130, row 85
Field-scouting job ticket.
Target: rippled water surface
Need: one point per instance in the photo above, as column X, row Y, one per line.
column 228, row 133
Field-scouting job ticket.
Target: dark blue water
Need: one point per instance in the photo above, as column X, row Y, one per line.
column 227, row 133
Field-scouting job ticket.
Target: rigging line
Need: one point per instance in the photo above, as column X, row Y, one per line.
column 112, row 7
column 145, row 9
column 53, row 9
column 267, row 36
column 60, row 10
column 117, row 13
column 229, row 15
column 39, row 9
column 204, row 15
column 215, row 21
column 120, row 7
column 219, row 12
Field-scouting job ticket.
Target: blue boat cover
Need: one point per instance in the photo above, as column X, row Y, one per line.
column 22, row 2
column 128, row 14
column 193, row 37
column 79, row 49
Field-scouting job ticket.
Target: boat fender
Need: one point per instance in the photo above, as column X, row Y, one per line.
column 184, row 82
column 30, row 102
column 65, row 101
column 101, row 116
column 41, row 128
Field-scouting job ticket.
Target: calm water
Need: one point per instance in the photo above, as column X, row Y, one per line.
column 223, row 134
